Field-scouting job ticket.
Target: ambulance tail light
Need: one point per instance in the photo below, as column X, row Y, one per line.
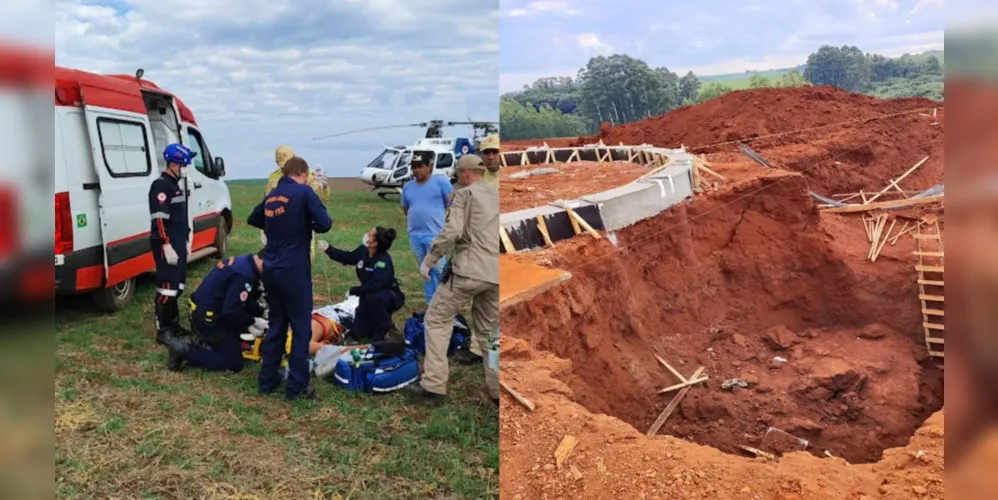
column 63, row 225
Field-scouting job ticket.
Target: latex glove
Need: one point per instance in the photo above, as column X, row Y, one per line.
column 261, row 324
column 323, row 245
column 170, row 254
column 266, row 314
column 424, row 271
column 263, row 238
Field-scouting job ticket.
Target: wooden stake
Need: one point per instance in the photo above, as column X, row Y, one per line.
column 582, row 222
column 895, row 240
column 504, row 236
column 688, row 383
column 653, row 172
column 758, row 452
column 884, row 241
column 899, row 179
column 902, row 233
column 672, row 405
column 542, row 227
column 708, row 170
column 869, row 233
column 876, row 235
column 862, row 196
column 517, row 396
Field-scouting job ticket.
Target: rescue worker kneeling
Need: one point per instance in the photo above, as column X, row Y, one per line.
column 223, row 307
column 379, row 291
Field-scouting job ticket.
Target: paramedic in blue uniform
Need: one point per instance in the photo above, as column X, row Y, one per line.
column 379, row 292
column 169, row 239
column 288, row 215
column 225, row 305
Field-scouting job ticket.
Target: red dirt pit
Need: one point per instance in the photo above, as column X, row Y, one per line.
column 730, row 283
column 572, row 180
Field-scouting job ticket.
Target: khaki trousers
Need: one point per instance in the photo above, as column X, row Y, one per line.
column 448, row 300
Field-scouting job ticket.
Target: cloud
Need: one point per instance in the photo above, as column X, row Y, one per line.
column 259, row 73
column 592, row 43
column 544, row 7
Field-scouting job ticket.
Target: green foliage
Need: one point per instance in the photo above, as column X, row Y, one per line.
column 845, row 67
column 689, row 87
column 757, row 81
column 792, row 78
column 712, row 90
column 621, row 89
column 527, row 122
column 929, row 86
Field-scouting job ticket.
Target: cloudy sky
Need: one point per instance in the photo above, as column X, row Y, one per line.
column 557, row 37
column 260, row 73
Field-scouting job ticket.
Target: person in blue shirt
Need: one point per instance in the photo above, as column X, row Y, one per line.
column 288, row 215
column 225, row 305
column 425, row 199
column 379, row 292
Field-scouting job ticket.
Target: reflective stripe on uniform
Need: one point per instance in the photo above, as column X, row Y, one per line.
column 179, row 199
column 180, row 286
column 160, row 215
column 168, row 293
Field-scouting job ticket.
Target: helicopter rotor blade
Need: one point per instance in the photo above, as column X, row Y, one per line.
column 369, row 129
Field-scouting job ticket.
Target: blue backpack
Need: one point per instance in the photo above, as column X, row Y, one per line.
column 415, row 334
column 377, row 371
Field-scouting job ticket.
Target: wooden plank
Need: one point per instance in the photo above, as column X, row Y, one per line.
column 928, row 254
column 672, row 405
column 705, row 168
column 935, row 340
column 934, row 326
column 521, row 281
column 929, row 269
column 543, row 228
column 933, row 298
column 931, row 282
column 582, row 222
column 884, row 241
column 886, row 204
column 504, row 237
column 937, row 354
column 934, row 312
column 517, row 396
column 758, row 452
column 899, row 179
column 684, row 384
column 653, row 172
column 671, row 369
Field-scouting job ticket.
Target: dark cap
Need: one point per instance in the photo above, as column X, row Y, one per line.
column 422, row 157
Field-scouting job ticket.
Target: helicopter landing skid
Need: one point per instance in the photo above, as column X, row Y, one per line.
column 384, row 194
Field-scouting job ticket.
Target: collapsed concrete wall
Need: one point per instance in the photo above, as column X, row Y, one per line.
column 609, row 210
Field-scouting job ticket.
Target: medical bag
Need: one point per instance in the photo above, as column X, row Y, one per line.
column 415, row 334
column 370, row 370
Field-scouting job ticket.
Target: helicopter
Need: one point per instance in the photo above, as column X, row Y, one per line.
column 390, row 170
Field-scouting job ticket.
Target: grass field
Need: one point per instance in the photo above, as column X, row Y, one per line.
column 739, row 81
column 126, row 427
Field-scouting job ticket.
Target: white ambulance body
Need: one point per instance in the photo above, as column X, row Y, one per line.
column 110, row 133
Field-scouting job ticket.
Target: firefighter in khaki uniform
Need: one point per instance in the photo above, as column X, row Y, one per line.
column 472, row 228
column 490, row 155
column 281, row 156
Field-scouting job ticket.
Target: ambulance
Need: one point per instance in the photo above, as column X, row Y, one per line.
column 110, row 133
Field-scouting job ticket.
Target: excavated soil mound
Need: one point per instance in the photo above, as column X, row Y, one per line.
column 796, row 329
column 875, row 146
column 562, row 181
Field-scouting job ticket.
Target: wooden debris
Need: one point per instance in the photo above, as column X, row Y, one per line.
column 673, row 405
column 504, row 237
column 671, row 369
column 517, row 396
column 877, row 229
column 887, row 204
column 653, row 171
column 564, row 450
column 759, row 453
column 686, row 383
column 576, row 473
column 884, row 241
column 543, row 228
column 903, row 228
column 895, row 181
column 582, row 222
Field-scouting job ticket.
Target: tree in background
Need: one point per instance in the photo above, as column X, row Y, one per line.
column 620, row 89
column 758, row 81
column 520, row 122
column 712, row 90
column 689, row 88
column 845, row 67
column 792, row 78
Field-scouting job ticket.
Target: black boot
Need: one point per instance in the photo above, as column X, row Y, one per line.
column 466, row 357
column 178, row 350
column 416, row 391
column 308, row 393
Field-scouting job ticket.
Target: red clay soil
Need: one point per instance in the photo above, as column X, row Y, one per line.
column 570, row 182
column 836, row 159
column 729, row 283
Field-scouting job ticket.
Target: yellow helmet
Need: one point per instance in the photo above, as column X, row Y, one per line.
column 282, row 155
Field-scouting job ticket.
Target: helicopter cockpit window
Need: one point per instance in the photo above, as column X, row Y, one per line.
column 385, row 160
column 444, row 161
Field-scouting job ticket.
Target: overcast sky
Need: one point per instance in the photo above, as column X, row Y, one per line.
column 557, row 37
column 260, row 73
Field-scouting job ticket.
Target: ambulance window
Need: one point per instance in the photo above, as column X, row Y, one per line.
column 202, row 162
column 125, row 147
column 445, row 160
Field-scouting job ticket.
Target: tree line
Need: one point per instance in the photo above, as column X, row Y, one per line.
column 621, row 89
